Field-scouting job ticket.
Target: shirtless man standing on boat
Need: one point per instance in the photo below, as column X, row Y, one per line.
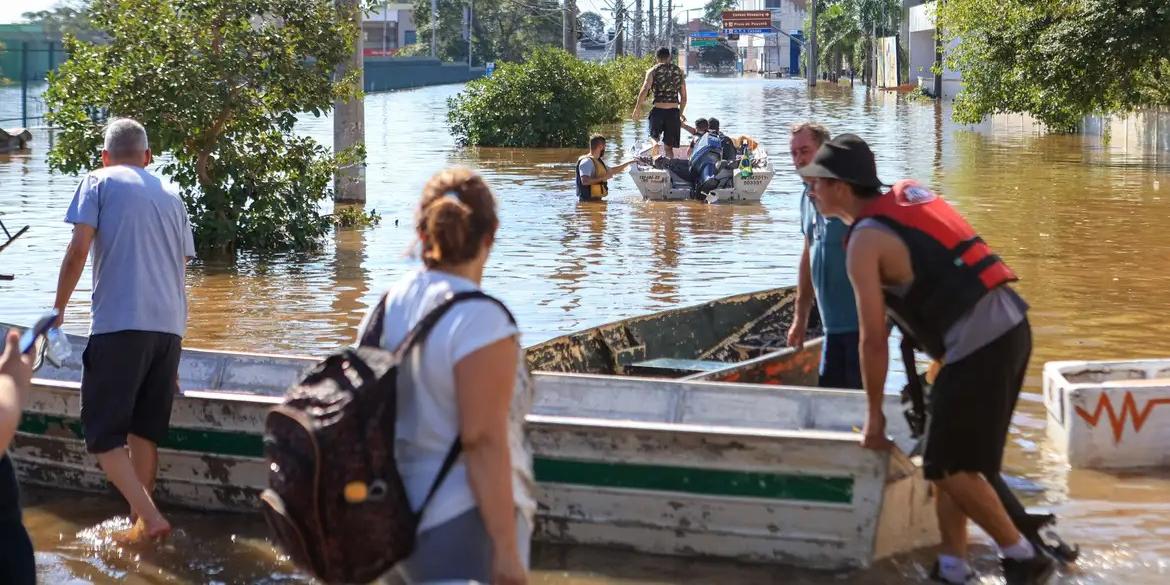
column 912, row 257
column 822, row 273
column 670, row 99
column 141, row 239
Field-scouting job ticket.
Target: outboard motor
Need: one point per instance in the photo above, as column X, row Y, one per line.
column 705, row 161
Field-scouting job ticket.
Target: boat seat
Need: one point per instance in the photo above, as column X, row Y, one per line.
column 673, row 367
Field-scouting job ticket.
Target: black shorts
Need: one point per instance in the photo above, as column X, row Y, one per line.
column 666, row 126
column 128, row 383
column 971, row 406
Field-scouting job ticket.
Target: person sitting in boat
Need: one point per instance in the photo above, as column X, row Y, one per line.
column 708, row 155
column 592, row 173
column 698, row 130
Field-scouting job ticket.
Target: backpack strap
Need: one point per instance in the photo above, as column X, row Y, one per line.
column 372, row 336
column 418, row 334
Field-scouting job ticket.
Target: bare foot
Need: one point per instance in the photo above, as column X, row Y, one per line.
column 142, row 531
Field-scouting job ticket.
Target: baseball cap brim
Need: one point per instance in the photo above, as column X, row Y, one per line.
column 816, row 171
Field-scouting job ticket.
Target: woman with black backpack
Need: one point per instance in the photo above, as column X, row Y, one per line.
column 463, row 395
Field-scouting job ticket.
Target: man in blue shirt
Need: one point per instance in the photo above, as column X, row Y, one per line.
column 822, row 272
column 141, row 239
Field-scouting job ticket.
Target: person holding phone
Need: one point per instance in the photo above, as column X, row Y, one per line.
column 141, row 239
column 17, row 565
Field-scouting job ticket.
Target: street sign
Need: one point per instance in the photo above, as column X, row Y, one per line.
column 704, row 42
column 749, row 31
column 705, row 34
column 747, row 19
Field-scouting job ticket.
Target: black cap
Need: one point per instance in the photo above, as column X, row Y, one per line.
column 845, row 158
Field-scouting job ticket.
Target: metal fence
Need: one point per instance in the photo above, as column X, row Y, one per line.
column 26, row 80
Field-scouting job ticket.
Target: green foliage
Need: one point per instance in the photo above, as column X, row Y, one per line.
column 551, row 99
column 503, row 30
column 626, row 74
column 713, row 11
column 351, row 216
column 592, row 26
column 67, row 18
column 1058, row 61
column 846, row 28
column 218, row 84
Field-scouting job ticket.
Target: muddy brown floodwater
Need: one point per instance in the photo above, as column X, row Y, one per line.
column 1081, row 219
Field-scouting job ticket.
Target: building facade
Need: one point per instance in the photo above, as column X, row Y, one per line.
column 387, row 28
column 773, row 53
column 920, row 48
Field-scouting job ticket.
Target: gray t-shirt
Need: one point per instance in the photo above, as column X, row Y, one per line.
column 140, row 250
column 993, row 315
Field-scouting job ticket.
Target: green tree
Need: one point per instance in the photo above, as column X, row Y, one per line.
column 67, row 18
column 1058, row 61
column 218, row 85
column 502, row 30
column 713, row 11
column 551, row 99
column 592, row 26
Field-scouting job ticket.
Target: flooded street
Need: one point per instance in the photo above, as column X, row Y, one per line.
column 1080, row 219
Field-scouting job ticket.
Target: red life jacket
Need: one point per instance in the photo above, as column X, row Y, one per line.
column 953, row 267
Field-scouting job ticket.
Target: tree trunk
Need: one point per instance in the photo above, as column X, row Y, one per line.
column 812, row 67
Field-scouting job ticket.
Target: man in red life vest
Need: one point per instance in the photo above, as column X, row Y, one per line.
column 912, row 257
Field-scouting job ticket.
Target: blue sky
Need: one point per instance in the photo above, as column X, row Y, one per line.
column 10, row 10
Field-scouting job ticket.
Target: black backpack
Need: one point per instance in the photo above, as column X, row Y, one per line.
column 335, row 501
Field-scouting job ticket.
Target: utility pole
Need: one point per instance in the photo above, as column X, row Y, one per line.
column 434, row 28
column 812, row 47
column 619, row 33
column 670, row 24
column 637, row 28
column 470, row 30
column 569, row 27
column 651, row 32
column 349, row 116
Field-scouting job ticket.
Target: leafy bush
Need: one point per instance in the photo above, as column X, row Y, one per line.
column 552, row 99
column 218, row 84
column 354, row 216
column 626, row 74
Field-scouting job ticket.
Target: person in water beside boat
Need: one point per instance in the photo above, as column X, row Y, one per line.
column 592, row 174
column 141, row 239
column 17, row 563
column 669, row 85
column 467, row 382
column 822, row 275
column 912, row 257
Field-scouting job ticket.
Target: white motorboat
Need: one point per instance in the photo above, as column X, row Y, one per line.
column 661, row 179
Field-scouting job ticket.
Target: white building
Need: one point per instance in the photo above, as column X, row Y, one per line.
column 388, row 27
column 922, row 52
column 769, row 53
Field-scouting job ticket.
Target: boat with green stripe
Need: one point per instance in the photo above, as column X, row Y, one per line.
column 666, row 466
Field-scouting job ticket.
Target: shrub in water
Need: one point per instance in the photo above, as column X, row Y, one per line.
column 552, row 99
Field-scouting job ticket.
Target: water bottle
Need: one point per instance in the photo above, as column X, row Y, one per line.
column 59, row 348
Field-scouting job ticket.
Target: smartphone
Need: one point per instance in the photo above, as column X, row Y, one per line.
column 29, row 339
